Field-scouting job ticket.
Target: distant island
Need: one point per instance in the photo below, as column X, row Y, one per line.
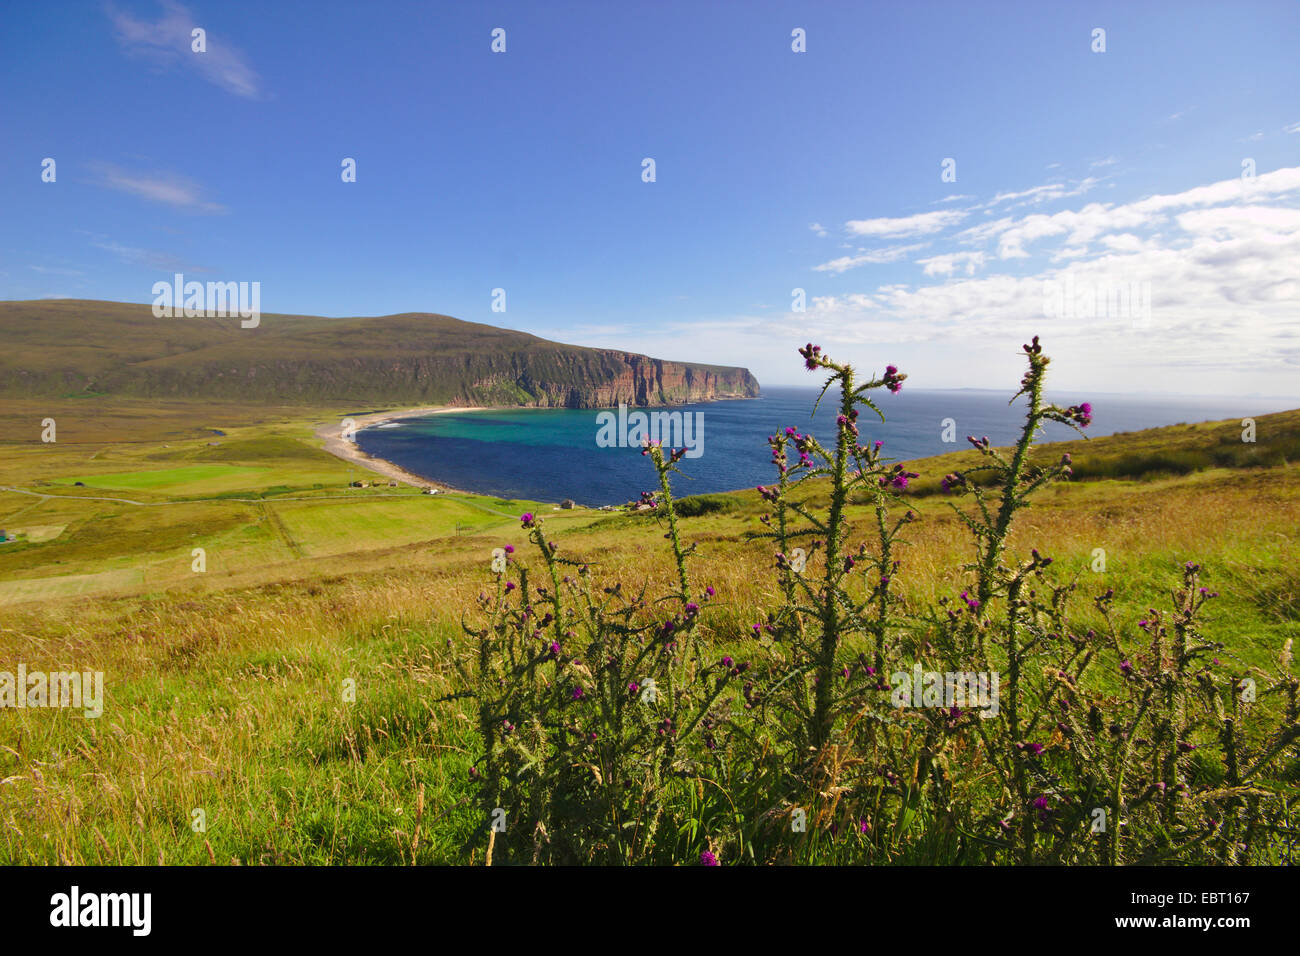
column 64, row 348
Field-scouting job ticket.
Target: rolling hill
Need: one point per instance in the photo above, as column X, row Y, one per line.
column 70, row 347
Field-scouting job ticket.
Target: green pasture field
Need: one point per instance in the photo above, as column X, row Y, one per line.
column 223, row 687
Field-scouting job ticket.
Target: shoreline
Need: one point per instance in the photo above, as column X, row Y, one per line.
column 350, row 452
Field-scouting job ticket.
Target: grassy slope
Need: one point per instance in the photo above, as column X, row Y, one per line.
column 67, row 348
column 224, row 688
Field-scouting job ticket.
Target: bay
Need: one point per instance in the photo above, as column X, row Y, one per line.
column 552, row 454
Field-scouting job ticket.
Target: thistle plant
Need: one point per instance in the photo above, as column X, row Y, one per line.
column 833, row 591
column 828, row 643
column 1079, row 766
column 592, row 705
column 611, row 731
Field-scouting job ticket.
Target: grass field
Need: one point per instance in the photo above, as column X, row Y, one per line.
column 224, row 688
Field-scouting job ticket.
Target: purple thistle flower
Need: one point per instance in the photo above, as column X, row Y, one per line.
column 707, row 858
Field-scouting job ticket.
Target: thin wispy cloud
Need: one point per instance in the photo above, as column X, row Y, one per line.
column 922, row 224
column 874, row 256
column 1035, row 195
column 167, row 42
column 150, row 258
column 162, row 187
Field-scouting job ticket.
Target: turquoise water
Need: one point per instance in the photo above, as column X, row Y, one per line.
column 553, row 454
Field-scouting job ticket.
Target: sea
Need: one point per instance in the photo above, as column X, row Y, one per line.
column 549, row 455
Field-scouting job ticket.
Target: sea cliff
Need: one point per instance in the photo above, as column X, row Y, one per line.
column 74, row 348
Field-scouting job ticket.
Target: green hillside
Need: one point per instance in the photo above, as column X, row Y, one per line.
column 65, row 348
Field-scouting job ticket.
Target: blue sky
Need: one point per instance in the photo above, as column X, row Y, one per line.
column 775, row 171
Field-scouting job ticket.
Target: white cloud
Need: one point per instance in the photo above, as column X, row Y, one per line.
column 1122, row 242
column 1221, row 262
column 818, row 230
column 167, row 42
column 946, row 265
column 922, row 224
column 160, row 187
column 1041, row 194
column 875, row 256
column 1083, row 226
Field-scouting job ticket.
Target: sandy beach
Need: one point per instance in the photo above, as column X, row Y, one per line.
column 335, row 444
